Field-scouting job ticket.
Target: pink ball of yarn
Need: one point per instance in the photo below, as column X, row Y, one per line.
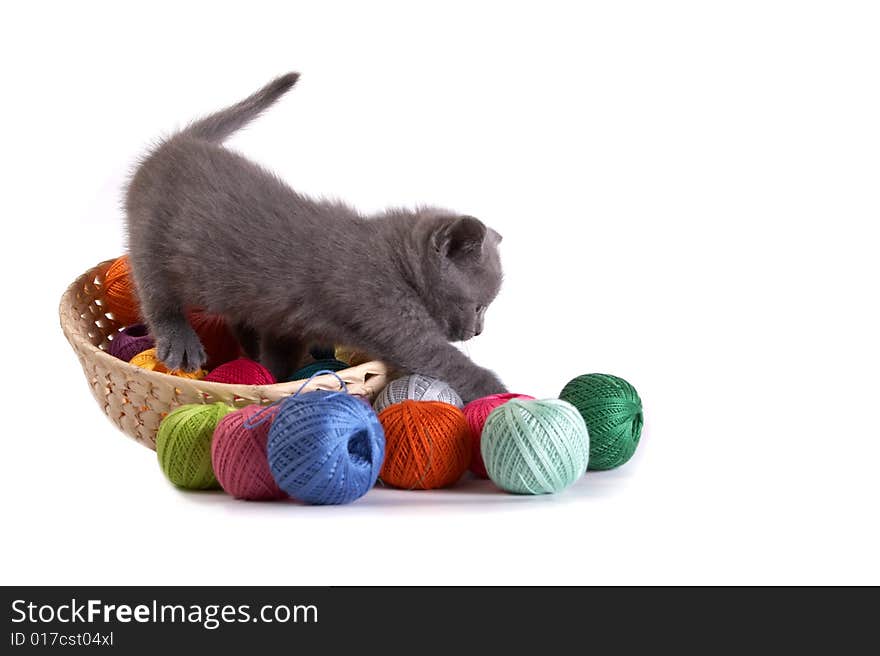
column 238, row 455
column 241, row 372
column 476, row 412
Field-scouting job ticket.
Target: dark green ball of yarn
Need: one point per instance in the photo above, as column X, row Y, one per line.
column 330, row 363
column 612, row 409
column 322, row 352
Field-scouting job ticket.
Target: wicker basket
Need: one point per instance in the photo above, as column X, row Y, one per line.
column 136, row 399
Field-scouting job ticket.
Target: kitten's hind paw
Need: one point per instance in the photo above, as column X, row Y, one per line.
column 178, row 347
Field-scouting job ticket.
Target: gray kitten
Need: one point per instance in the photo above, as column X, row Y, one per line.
column 208, row 228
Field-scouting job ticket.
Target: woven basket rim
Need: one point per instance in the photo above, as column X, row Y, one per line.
column 136, row 399
column 325, row 381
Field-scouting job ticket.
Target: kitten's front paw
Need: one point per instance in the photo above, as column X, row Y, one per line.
column 179, row 347
column 483, row 385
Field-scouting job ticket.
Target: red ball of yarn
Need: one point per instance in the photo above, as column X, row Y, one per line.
column 120, row 296
column 427, row 444
column 219, row 342
column 476, row 412
column 238, row 455
column 241, row 372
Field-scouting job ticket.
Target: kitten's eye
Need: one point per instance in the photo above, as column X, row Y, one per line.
column 480, row 308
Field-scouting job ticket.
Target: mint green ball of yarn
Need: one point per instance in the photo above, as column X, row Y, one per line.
column 535, row 447
column 183, row 445
column 613, row 412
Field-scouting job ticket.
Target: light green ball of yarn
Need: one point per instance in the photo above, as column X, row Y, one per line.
column 613, row 412
column 535, row 447
column 183, row 445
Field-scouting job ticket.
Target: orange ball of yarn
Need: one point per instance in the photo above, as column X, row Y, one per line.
column 427, row 444
column 120, row 295
column 148, row 360
column 214, row 334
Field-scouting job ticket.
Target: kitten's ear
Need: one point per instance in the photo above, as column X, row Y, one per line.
column 462, row 238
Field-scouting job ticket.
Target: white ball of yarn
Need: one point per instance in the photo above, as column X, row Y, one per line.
column 416, row 387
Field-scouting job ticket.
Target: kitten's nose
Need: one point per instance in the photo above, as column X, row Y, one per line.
column 478, row 331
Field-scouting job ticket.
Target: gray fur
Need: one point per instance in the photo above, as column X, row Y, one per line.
column 208, row 228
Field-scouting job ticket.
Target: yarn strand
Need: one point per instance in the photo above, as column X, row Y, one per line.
column 260, row 417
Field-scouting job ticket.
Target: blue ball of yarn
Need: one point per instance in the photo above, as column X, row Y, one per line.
column 325, row 447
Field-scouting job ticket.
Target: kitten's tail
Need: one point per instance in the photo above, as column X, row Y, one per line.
column 219, row 126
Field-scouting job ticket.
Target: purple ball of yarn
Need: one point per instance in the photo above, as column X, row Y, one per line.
column 130, row 341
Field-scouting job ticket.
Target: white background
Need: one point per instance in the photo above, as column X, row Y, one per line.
column 688, row 193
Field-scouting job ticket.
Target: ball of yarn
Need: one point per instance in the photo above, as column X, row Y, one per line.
column 416, row 387
column 535, row 447
column 148, row 360
column 349, row 354
column 428, row 444
column 323, row 352
column 130, row 341
column 120, row 296
column 241, row 372
column 325, row 447
column 476, row 412
column 613, row 412
column 238, row 453
column 216, row 337
column 183, row 444
column 310, row 369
